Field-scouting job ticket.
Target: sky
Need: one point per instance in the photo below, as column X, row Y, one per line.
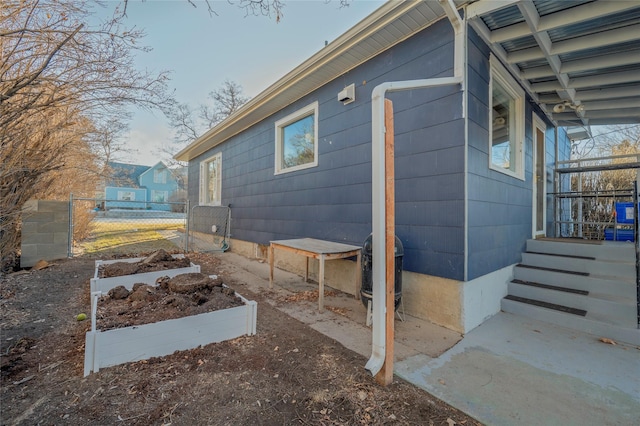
column 203, row 51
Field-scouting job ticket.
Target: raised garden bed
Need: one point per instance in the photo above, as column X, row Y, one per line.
column 127, row 272
column 121, row 330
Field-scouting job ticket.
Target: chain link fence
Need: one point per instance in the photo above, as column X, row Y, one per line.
column 209, row 228
column 123, row 227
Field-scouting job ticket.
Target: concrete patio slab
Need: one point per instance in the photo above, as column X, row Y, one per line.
column 512, row 370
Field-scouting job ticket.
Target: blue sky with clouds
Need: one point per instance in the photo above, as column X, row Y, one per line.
column 202, row 51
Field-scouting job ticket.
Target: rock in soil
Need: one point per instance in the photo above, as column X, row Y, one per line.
column 118, row 293
column 190, row 282
column 157, row 256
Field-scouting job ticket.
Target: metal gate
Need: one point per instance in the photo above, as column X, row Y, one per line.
column 209, row 228
column 125, row 227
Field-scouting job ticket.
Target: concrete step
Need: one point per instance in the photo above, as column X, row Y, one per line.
column 601, row 287
column 618, row 312
column 603, row 250
column 585, row 324
column 623, row 270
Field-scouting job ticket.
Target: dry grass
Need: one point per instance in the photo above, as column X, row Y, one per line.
column 128, row 238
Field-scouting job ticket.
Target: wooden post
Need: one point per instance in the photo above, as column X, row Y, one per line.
column 385, row 375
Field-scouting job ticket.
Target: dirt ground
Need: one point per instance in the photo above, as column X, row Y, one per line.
column 286, row 374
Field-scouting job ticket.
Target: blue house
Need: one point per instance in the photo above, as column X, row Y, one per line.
column 138, row 187
column 484, row 94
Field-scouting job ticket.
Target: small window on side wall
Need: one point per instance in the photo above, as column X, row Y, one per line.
column 211, row 181
column 159, row 176
column 297, row 140
column 506, row 125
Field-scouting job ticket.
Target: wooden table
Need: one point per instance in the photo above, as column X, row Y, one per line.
column 316, row 249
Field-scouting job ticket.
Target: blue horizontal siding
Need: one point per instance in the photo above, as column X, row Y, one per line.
column 499, row 206
column 333, row 200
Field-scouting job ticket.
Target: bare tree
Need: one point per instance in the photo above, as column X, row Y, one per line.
column 188, row 125
column 602, row 189
column 60, row 79
column 224, row 101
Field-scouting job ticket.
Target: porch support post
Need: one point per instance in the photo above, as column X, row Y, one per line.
column 385, row 375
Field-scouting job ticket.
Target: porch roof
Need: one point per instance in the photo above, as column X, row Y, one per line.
column 579, row 59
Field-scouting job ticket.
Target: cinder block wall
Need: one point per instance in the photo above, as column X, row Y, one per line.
column 45, row 231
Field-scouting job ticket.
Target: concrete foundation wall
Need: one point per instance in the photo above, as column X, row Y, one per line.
column 482, row 296
column 45, row 231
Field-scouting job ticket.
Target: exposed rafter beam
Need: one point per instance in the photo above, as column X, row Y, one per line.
column 592, row 81
column 621, row 112
column 487, row 6
column 601, row 62
column 604, row 94
column 619, row 120
column 570, row 16
column 612, row 104
column 531, row 16
column 591, row 41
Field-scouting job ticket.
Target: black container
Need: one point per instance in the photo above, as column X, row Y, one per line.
column 366, row 290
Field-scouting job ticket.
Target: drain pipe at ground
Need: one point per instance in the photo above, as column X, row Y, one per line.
column 379, row 213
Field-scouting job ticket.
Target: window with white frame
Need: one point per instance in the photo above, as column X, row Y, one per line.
column 297, row 140
column 211, row 180
column 506, row 125
column 159, row 196
column 126, row 196
column 160, row 176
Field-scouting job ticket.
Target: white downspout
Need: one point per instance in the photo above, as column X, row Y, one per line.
column 375, row 363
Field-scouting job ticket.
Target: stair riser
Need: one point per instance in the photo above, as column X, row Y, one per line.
column 629, row 335
column 596, row 267
column 620, row 252
column 613, row 288
column 611, row 312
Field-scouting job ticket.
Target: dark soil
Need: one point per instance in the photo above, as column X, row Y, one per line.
column 157, row 261
column 287, row 374
column 177, row 297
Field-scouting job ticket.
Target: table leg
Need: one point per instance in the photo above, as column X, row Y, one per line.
column 358, row 274
column 270, row 266
column 306, row 270
column 321, row 284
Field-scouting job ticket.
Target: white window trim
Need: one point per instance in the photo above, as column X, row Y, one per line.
column 291, row 118
column 203, row 181
column 120, row 195
column 511, row 86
